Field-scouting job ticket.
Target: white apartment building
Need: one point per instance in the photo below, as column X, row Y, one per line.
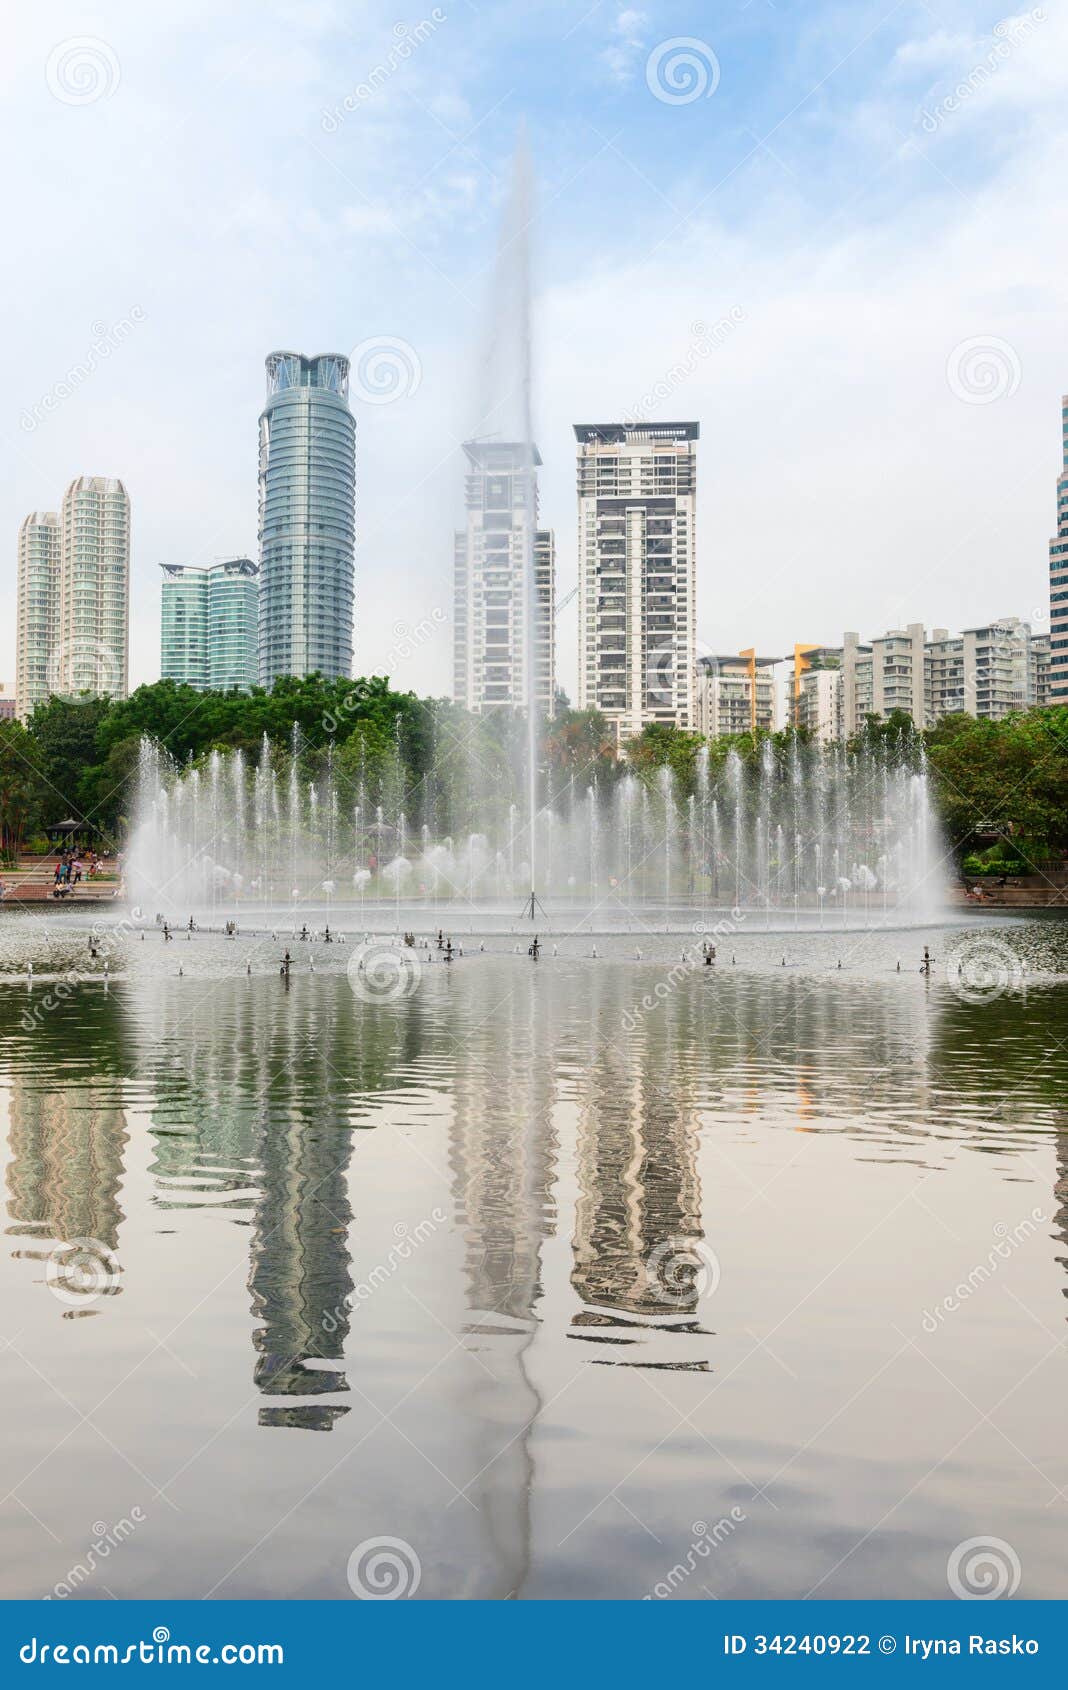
column 73, row 618
column 637, row 570
column 491, row 614
column 988, row 671
column 817, row 693
column 36, row 609
column 724, row 695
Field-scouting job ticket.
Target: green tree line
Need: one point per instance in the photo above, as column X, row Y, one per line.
column 78, row 757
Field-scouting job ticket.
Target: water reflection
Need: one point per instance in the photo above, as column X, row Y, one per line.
column 571, row 1131
column 257, row 1123
column 638, row 1237
column 66, row 1143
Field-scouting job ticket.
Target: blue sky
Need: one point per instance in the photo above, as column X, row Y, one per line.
column 880, row 417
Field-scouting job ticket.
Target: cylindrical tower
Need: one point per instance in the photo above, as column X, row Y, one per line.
column 307, row 517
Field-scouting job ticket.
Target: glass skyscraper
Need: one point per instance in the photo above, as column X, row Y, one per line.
column 209, row 625
column 307, row 517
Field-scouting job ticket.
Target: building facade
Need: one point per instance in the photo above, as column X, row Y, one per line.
column 817, row 691
column 637, row 570
column 209, row 625
column 726, row 688
column 93, row 654
column 989, row 672
column 73, row 612
column 307, row 522
column 1058, row 579
column 492, row 616
column 37, row 608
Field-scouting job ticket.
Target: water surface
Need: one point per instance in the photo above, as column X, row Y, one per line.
column 551, row 1271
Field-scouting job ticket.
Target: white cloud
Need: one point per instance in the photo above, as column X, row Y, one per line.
column 627, row 40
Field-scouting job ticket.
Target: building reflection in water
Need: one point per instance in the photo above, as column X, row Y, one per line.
column 640, row 1261
column 66, row 1143
column 502, row 1158
column 262, row 1125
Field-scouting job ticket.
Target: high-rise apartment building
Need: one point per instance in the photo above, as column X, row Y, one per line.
column 492, row 615
column 307, row 523
column 209, row 625
column 889, row 674
column 1058, row 579
column 94, row 600
column 817, row 699
column 989, row 672
column 37, row 608
column 637, row 497
column 74, row 595
column 734, row 695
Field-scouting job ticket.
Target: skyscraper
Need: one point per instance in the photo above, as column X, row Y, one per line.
column 491, row 616
column 74, row 595
column 1058, row 579
column 637, row 496
column 209, row 625
column 37, row 608
column 307, row 480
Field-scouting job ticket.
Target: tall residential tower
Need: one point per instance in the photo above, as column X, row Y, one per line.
column 37, row 609
column 637, row 497
column 491, row 611
column 74, row 595
column 307, row 517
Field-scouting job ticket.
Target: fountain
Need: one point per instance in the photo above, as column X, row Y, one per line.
column 795, row 834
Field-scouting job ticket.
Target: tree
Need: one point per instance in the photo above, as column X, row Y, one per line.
column 579, row 743
column 65, row 731
column 1010, row 777
column 23, row 788
column 663, row 745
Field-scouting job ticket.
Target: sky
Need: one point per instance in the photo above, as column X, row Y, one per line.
column 832, row 234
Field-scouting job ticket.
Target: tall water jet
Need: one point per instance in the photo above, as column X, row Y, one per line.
column 789, row 830
column 506, row 410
